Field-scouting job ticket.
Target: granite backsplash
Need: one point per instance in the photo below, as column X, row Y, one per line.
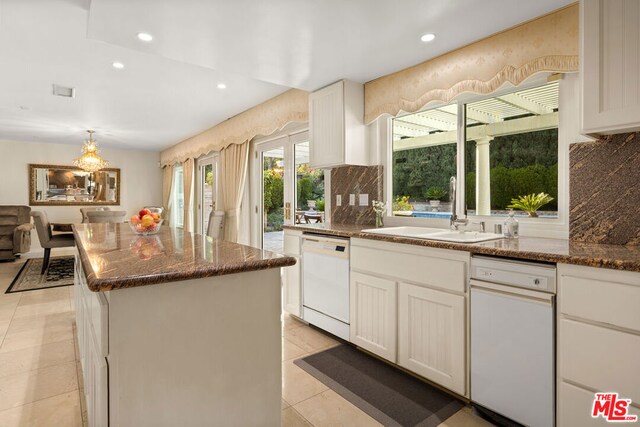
column 605, row 190
column 357, row 180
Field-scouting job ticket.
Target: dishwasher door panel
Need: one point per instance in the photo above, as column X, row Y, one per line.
column 326, row 284
column 512, row 355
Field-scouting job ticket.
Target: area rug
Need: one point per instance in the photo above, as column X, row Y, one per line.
column 60, row 273
column 390, row 396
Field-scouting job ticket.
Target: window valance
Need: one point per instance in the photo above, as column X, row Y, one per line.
column 545, row 44
column 263, row 119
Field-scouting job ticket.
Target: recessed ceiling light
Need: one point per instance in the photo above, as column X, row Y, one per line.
column 428, row 37
column 222, row 86
column 145, row 37
column 118, row 65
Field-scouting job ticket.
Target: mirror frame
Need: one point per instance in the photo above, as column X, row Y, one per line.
column 32, row 187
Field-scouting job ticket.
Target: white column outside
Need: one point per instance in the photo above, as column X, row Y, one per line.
column 483, row 176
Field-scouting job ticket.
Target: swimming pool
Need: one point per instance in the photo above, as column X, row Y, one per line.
column 442, row 215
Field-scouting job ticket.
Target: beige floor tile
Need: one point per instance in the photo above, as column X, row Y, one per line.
column 309, row 339
column 7, row 310
column 28, row 387
column 331, row 409
column 42, row 309
column 292, row 418
column 61, row 410
column 297, row 385
column 66, row 318
column 55, row 330
column 465, row 418
column 290, row 350
column 290, row 322
column 32, row 358
column 44, row 296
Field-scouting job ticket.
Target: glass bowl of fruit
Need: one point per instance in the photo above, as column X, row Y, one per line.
column 145, row 223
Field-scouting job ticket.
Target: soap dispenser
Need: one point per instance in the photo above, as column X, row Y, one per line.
column 511, row 226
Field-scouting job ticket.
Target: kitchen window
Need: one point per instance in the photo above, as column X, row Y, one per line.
column 510, row 150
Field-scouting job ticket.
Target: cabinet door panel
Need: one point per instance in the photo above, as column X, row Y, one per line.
column 610, row 68
column 291, row 289
column 326, row 127
column 431, row 337
column 373, row 315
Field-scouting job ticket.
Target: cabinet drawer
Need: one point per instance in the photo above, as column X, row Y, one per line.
column 601, row 358
column 575, row 405
column 439, row 268
column 601, row 295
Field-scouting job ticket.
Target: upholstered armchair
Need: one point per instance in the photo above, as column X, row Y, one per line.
column 48, row 240
column 15, row 231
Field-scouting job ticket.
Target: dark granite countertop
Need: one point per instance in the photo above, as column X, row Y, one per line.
column 527, row 248
column 113, row 257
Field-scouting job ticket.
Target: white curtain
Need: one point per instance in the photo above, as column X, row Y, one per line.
column 167, row 185
column 233, row 163
column 187, row 171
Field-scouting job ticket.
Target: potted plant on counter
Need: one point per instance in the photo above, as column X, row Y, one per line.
column 435, row 195
column 402, row 207
column 530, row 203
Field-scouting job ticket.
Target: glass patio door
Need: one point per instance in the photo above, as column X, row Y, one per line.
column 274, row 161
column 207, row 181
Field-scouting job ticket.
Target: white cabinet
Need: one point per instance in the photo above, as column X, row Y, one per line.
column 292, row 276
column 610, row 66
column 598, row 339
column 431, row 335
column 92, row 330
column 409, row 305
column 373, row 314
column 336, row 129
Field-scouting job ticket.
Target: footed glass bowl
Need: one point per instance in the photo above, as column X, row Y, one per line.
column 142, row 229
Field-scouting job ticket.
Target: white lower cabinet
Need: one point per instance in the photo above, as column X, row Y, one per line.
column 373, row 314
column 598, row 341
column 292, row 276
column 409, row 306
column 91, row 325
column 431, row 335
column 291, row 287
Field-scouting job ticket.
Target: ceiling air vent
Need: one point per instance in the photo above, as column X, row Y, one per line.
column 67, row 92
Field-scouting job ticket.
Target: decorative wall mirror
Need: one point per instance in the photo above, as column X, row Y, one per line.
column 72, row 186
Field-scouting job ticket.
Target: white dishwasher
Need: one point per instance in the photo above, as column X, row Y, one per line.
column 513, row 339
column 325, row 283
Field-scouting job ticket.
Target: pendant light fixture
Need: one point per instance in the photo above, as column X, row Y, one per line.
column 90, row 160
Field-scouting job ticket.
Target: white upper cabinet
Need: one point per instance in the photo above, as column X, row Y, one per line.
column 610, row 66
column 336, row 127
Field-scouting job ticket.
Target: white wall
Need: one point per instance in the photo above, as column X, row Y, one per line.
column 141, row 177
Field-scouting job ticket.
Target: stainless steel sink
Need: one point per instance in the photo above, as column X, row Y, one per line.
column 436, row 234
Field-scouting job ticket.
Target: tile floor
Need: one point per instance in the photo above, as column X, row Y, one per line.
column 41, row 383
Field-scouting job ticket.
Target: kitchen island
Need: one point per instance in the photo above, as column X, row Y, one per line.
column 177, row 328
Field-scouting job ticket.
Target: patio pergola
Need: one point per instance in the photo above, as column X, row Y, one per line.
column 524, row 111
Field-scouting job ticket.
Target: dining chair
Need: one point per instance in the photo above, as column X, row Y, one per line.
column 48, row 240
column 215, row 228
column 106, row 216
column 83, row 211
